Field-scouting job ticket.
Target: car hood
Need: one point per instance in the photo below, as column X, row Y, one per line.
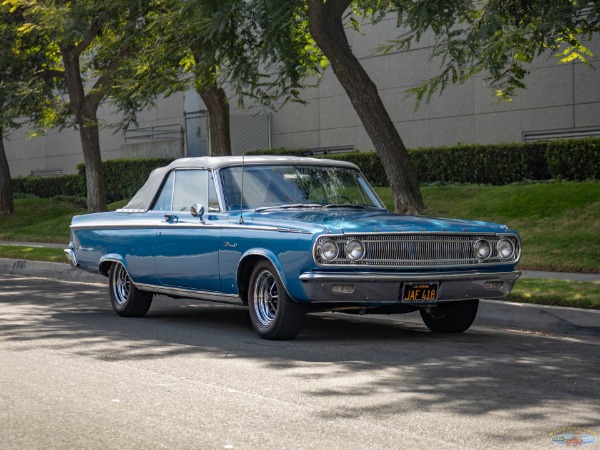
column 350, row 221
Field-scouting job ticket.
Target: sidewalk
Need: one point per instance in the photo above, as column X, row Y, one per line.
column 553, row 319
column 589, row 277
column 34, row 244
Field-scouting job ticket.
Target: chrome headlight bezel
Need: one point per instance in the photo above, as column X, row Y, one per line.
column 502, row 245
column 483, row 249
column 355, row 250
column 328, row 250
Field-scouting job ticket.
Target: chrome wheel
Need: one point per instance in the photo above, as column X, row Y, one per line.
column 265, row 298
column 120, row 285
column 274, row 315
column 126, row 299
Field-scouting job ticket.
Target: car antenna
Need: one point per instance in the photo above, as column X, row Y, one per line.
column 242, row 193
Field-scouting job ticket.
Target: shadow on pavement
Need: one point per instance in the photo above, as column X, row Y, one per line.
column 483, row 371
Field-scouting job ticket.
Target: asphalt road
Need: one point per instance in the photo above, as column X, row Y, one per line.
column 194, row 375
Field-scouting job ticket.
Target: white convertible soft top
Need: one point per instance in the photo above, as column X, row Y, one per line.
column 142, row 200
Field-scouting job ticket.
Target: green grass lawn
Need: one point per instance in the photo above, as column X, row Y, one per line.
column 38, row 220
column 42, row 220
column 33, row 253
column 557, row 293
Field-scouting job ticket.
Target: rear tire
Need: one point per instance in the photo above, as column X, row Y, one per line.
column 451, row 317
column 126, row 299
column 274, row 315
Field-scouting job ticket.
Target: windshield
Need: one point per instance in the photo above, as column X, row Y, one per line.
column 296, row 186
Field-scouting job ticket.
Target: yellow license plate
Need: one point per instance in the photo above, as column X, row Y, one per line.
column 419, row 292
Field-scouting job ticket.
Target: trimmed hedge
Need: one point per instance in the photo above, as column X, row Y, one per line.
column 122, row 179
column 48, row 187
column 573, row 159
column 281, row 151
column 480, row 164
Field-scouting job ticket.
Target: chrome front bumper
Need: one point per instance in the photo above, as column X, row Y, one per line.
column 386, row 288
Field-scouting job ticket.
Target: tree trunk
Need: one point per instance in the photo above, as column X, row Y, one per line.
column 94, row 173
column 7, row 204
column 85, row 109
column 327, row 29
column 218, row 119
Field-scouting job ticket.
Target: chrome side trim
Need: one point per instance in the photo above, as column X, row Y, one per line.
column 188, row 293
column 166, row 225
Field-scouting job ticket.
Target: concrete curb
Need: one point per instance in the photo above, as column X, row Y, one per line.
column 553, row 319
column 48, row 270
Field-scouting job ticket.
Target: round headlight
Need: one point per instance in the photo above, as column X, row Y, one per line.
column 483, row 249
column 328, row 251
column 505, row 248
column 355, row 250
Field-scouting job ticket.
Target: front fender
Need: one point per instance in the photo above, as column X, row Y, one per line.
column 246, row 265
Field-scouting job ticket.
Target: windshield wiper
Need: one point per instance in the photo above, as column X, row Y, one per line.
column 317, row 205
column 351, row 205
column 290, row 206
column 344, row 205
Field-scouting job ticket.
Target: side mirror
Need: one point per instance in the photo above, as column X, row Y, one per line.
column 197, row 210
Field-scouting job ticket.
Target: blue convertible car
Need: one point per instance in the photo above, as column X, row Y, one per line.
column 286, row 236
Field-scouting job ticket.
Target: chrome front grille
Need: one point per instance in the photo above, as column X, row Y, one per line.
column 417, row 250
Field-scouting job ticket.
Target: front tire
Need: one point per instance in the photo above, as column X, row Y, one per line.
column 450, row 317
column 126, row 299
column 274, row 315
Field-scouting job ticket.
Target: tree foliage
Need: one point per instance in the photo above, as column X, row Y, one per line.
column 28, row 68
column 498, row 38
column 93, row 39
column 261, row 50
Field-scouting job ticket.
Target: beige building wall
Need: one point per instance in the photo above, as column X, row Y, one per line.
column 562, row 98
column 60, row 151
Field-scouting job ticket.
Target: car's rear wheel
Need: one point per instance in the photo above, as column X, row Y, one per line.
column 126, row 299
column 274, row 315
column 450, row 317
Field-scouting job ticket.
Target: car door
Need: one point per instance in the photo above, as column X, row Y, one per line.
column 187, row 255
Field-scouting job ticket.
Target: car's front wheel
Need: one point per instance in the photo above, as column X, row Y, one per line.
column 450, row 317
column 126, row 299
column 274, row 315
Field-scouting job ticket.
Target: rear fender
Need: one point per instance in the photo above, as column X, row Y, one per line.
column 107, row 260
